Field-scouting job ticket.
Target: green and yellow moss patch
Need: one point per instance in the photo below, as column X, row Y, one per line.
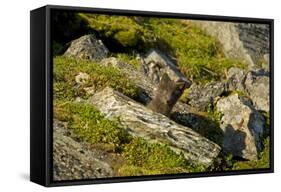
column 198, row 55
column 65, row 70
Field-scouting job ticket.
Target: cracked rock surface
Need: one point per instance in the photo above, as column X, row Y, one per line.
column 154, row 127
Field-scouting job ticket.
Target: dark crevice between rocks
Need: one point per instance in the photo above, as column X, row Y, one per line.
column 201, row 124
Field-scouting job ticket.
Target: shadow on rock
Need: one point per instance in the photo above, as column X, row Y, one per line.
column 234, row 141
column 201, row 124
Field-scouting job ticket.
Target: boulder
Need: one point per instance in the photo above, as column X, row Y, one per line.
column 200, row 96
column 156, row 63
column 257, row 86
column 246, row 41
column 73, row 160
column 235, row 79
column 242, row 127
column 154, row 127
column 87, row 47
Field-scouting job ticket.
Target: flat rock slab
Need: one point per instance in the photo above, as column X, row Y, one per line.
column 154, row 127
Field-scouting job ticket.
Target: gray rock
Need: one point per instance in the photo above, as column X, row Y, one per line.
column 156, row 63
column 236, row 78
column 247, row 41
column 87, row 47
column 257, row 86
column 242, row 127
column 201, row 96
column 154, row 127
column 73, row 160
column 266, row 62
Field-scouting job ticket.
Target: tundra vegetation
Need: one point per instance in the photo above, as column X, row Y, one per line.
column 199, row 57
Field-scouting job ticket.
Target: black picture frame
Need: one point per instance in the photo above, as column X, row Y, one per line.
column 41, row 116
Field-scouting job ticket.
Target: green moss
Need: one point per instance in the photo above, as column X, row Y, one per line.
column 223, row 162
column 65, row 70
column 184, row 96
column 122, row 30
column 130, row 170
column 198, row 55
column 213, row 113
column 90, row 125
column 155, row 159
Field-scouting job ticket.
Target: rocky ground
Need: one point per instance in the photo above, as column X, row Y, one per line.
column 159, row 109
